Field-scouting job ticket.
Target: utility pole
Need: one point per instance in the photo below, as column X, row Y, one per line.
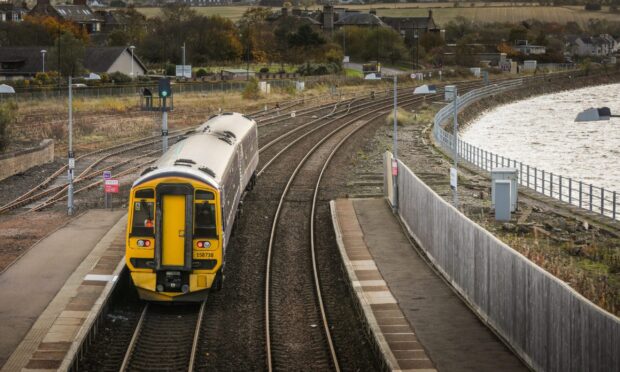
column 455, row 144
column 70, row 153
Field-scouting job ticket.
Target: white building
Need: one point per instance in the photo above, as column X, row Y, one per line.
column 598, row 46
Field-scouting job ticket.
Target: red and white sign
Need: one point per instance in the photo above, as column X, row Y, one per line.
column 111, row 186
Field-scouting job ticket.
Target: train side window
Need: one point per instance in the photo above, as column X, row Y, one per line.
column 143, row 213
column 204, row 220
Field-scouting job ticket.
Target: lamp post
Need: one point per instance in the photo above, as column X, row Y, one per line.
column 43, row 51
column 131, row 48
column 417, row 48
column 183, row 49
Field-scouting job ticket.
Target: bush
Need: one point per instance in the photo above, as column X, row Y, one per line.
column 264, row 70
column 119, row 77
column 201, row 73
column 8, row 111
column 251, row 90
column 171, row 69
column 310, row 69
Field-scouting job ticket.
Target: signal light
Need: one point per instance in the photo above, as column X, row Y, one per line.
column 203, row 244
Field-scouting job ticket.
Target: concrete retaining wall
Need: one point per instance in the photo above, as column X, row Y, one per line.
column 20, row 161
column 546, row 322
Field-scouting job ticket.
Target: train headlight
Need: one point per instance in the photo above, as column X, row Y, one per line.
column 140, row 243
column 203, row 244
column 147, row 243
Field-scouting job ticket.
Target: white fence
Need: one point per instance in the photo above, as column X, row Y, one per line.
column 583, row 195
column 550, row 325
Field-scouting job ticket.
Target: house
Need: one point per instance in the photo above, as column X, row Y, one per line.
column 597, row 46
column 412, row 27
column 359, row 19
column 10, row 12
column 113, row 59
column 523, row 47
column 24, row 62
column 79, row 13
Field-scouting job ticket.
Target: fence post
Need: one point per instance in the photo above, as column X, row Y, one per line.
column 580, row 193
column 535, row 179
column 527, row 169
column 590, row 197
column 570, row 191
column 560, row 188
column 602, row 201
column 551, row 184
column 543, row 182
column 613, row 207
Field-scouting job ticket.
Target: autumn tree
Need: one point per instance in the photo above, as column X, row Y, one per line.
column 56, row 27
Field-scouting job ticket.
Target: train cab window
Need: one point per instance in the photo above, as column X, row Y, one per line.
column 204, row 220
column 204, row 195
column 143, row 213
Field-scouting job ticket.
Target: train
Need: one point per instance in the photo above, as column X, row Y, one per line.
column 182, row 210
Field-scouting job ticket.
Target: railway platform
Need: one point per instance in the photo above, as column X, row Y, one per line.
column 50, row 292
column 416, row 319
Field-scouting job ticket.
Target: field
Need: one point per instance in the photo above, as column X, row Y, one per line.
column 445, row 12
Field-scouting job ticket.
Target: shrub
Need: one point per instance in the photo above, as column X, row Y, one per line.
column 171, row 69
column 264, row 70
column 8, row 111
column 251, row 90
column 119, row 77
column 201, row 73
column 105, row 78
column 310, row 69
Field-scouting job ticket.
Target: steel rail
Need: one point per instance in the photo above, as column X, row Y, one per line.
column 192, row 357
column 134, row 339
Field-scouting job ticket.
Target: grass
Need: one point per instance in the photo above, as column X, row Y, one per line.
column 353, row 73
column 444, row 12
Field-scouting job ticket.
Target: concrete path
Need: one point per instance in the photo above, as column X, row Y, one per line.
column 31, row 283
column 453, row 336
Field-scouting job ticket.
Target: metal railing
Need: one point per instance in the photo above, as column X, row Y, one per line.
column 565, row 189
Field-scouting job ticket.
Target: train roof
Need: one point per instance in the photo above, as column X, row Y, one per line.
column 206, row 154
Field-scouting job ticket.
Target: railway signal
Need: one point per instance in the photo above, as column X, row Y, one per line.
column 165, row 91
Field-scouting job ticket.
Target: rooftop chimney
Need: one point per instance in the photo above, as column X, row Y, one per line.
column 328, row 17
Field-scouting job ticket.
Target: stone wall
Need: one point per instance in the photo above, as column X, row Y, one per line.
column 22, row 160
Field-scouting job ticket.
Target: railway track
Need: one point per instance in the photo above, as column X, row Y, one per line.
column 165, row 338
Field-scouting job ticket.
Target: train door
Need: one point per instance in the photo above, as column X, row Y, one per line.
column 173, row 236
column 173, row 230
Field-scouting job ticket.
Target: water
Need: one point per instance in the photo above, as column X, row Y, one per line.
column 541, row 132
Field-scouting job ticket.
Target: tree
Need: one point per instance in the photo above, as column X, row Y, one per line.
column 71, row 55
column 56, row 27
column 118, row 37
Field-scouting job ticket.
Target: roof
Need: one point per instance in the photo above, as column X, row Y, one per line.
column 407, row 22
column 206, row 149
column 237, row 71
column 100, row 59
column 27, row 59
column 10, row 7
column 96, row 59
column 77, row 13
column 359, row 19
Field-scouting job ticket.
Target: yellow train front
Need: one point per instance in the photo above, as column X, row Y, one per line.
column 181, row 210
